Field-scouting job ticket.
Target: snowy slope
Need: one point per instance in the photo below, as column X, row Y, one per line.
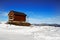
column 12, row 32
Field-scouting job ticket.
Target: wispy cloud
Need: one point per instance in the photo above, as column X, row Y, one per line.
column 3, row 16
column 54, row 20
column 3, row 13
column 35, row 17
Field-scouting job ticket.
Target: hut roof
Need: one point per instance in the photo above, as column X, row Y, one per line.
column 18, row 13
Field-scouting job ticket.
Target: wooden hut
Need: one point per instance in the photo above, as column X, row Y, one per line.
column 17, row 18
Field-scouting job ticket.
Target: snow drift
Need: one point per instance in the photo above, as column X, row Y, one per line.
column 12, row 32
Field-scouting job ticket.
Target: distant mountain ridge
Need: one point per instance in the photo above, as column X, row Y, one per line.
column 56, row 25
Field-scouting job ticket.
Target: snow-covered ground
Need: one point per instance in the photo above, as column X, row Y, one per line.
column 12, row 32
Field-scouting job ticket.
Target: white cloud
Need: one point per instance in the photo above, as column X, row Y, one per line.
column 3, row 16
column 54, row 20
column 3, row 13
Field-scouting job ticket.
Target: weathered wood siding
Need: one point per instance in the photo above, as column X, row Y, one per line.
column 19, row 18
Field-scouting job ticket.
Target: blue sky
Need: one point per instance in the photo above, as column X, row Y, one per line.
column 38, row 11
